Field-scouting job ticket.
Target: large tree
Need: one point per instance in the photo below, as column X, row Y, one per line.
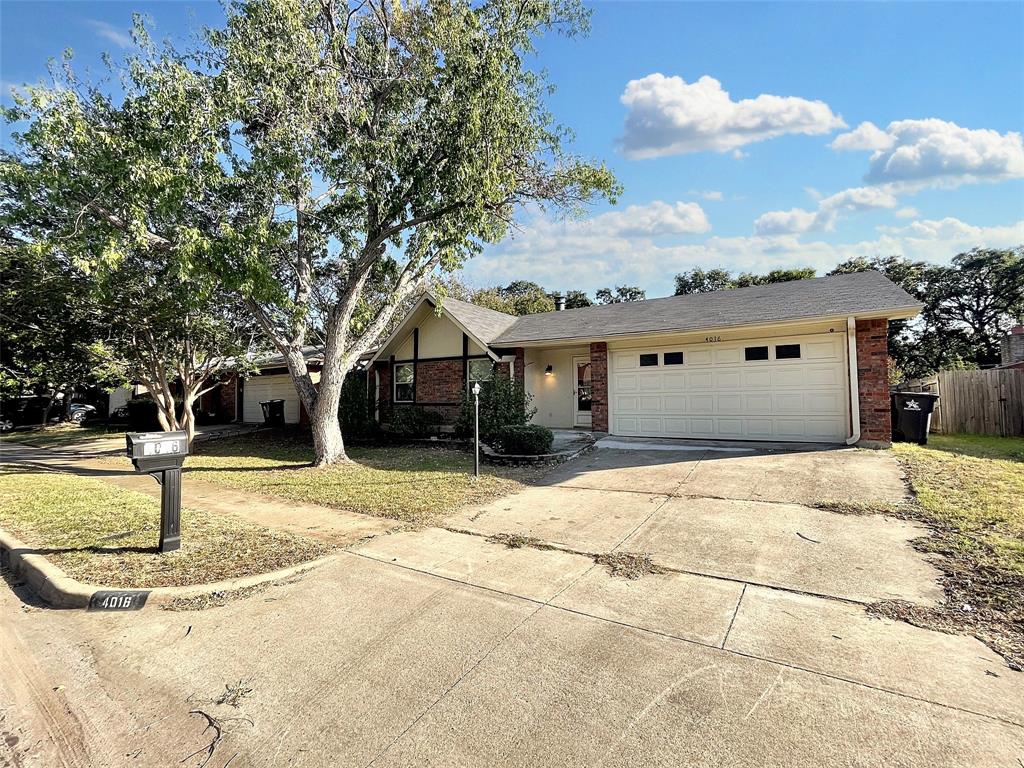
column 622, row 293
column 323, row 160
column 700, row 280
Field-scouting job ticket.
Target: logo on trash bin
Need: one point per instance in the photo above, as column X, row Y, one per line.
column 911, row 405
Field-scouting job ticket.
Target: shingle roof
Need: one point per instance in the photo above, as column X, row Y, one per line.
column 852, row 294
column 485, row 324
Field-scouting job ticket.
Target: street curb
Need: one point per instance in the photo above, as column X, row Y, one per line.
column 58, row 590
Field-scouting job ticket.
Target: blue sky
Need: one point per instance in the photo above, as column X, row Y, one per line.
column 749, row 136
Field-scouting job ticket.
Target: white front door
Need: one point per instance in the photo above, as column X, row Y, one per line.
column 581, row 391
column 783, row 388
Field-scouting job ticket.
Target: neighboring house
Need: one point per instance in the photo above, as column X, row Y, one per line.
column 800, row 361
column 1011, row 349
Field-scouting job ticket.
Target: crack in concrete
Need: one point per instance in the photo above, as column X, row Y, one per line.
column 735, row 613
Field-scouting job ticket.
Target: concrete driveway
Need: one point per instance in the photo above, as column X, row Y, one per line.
column 437, row 647
column 738, row 516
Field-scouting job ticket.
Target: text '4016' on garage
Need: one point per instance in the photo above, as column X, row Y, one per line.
column 800, row 361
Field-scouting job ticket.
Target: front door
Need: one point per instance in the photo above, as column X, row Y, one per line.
column 582, row 391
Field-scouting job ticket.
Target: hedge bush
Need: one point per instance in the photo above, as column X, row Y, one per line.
column 355, row 410
column 503, row 403
column 414, row 421
column 525, row 440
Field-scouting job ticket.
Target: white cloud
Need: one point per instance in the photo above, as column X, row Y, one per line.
column 668, row 116
column 921, row 153
column 799, row 220
column 651, row 219
column 585, row 258
column 866, row 136
column 909, row 212
column 709, row 194
column 109, row 32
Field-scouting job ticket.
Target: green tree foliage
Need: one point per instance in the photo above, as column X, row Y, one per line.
column 48, row 323
column 517, row 298
column 704, row 281
column 577, row 300
column 322, row 160
column 622, row 293
column 969, row 305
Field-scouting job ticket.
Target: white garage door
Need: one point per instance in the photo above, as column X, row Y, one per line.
column 791, row 388
column 259, row 388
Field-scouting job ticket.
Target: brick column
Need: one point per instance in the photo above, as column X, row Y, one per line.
column 520, row 368
column 383, row 369
column 873, row 381
column 229, row 398
column 599, row 386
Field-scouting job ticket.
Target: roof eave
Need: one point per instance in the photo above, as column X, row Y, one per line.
column 895, row 313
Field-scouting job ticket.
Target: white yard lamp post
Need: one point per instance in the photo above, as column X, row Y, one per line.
column 476, row 430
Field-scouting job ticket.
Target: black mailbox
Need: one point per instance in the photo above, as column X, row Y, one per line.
column 157, row 451
column 162, row 454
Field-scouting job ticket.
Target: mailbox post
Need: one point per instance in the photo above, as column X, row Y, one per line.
column 476, row 430
column 161, row 455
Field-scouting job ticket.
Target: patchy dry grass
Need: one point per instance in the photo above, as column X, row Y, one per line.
column 518, row 541
column 58, row 435
column 414, row 485
column 102, row 534
column 969, row 490
column 629, row 565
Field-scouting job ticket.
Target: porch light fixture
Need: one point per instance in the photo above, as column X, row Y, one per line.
column 548, row 371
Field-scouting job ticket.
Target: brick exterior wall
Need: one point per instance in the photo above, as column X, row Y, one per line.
column 439, row 381
column 520, row 370
column 873, row 380
column 501, row 369
column 599, row 386
column 228, row 402
column 383, row 371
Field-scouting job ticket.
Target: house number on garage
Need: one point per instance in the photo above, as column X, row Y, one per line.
column 712, row 338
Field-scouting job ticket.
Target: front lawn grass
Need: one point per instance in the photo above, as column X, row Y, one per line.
column 970, row 490
column 412, row 484
column 101, row 534
column 55, row 435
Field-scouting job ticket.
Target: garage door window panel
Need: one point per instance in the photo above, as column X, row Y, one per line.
column 753, row 354
column 673, row 358
column 648, row 361
column 787, row 351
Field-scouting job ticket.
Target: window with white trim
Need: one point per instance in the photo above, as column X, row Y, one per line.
column 405, row 382
column 479, row 370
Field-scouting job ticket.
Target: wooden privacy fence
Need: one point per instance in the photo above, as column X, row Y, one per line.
column 988, row 402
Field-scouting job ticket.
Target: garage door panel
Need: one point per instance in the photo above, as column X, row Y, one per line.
column 259, row 388
column 724, row 356
column 700, row 380
column 822, row 350
column 728, row 379
column 650, row 383
column 757, row 378
column 624, row 383
column 675, row 404
column 716, row 393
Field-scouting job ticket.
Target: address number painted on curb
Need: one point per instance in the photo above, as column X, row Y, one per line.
column 111, row 600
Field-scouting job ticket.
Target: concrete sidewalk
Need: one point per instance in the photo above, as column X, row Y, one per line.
column 336, row 526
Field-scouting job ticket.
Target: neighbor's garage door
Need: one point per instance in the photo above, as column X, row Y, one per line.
column 259, row 388
column 791, row 388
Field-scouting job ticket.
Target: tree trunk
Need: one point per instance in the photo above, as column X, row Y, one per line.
column 328, row 444
column 188, row 416
column 69, row 393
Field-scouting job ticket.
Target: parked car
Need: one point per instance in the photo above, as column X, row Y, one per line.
column 32, row 411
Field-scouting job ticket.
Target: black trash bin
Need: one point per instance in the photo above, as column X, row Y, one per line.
column 912, row 415
column 273, row 412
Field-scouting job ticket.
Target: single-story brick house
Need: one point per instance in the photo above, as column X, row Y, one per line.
column 800, row 361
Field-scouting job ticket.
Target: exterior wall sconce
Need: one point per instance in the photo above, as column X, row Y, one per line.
column 548, row 371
